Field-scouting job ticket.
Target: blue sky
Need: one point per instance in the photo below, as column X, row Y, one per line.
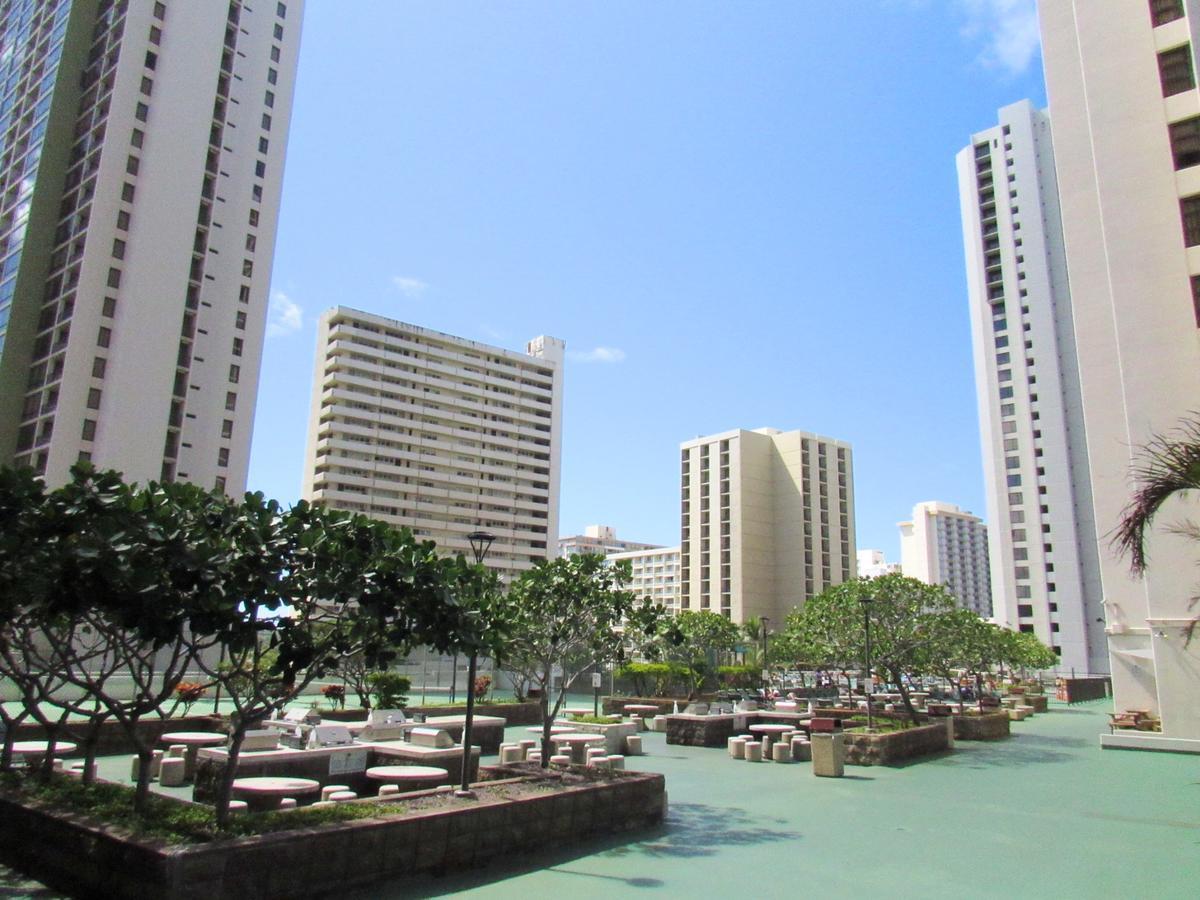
column 737, row 214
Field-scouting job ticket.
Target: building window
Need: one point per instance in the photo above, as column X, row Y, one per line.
column 93, row 398
column 104, row 337
column 1164, row 11
column 254, row 217
column 223, row 456
column 227, row 428
column 99, row 364
column 1196, row 298
column 237, row 346
column 1185, row 142
column 240, row 321
column 235, row 373
column 1025, row 610
column 1189, row 208
column 219, row 484
column 244, row 294
column 1175, row 70
column 89, row 430
column 142, row 112
column 109, row 309
column 230, row 401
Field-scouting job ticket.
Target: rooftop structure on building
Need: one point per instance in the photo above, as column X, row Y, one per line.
column 599, row 539
column 872, row 564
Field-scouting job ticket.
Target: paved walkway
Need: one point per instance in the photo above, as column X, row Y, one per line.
column 1043, row 814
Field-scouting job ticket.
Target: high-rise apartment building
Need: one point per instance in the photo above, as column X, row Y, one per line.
column 1042, row 531
column 599, row 539
column 1121, row 78
column 655, row 574
column 439, row 434
column 767, row 521
column 141, row 157
column 943, row 544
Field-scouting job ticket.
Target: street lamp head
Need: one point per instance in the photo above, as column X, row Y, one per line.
column 481, row 542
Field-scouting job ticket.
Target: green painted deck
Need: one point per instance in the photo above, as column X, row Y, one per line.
column 1044, row 814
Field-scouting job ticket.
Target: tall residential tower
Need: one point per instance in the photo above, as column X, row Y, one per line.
column 767, row 521
column 943, row 544
column 1039, row 504
column 438, row 433
column 1121, row 78
column 141, row 157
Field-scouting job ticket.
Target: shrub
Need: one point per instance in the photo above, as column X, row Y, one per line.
column 389, row 689
column 187, row 693
column 483, row 683
column 335, row 694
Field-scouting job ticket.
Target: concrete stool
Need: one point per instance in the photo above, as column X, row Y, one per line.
column 177, row 751
column 528, row 744
column 616, row 761
column 288, row 803
column 766, row 746
column 658, row 723
column 238, row 806
column 633, row 745
column 322, row 803
column 560, row 760
column 156, row 758
column 596, row 751
column 330, row 789
column 737, row 747
column 135, row 766
column 512, row 754
column 389, row 790
column 343, row 796
column 533, row 756
column 599, row 762
column 781, row 752
column 801, row 750
column 173, row 772
column 77, row 768
column 753, row 751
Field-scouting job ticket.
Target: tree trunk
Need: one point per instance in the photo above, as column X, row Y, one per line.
column 547, row 721
column 979, row 690
column 225, row 788
column 912, row 713
column 141, row 794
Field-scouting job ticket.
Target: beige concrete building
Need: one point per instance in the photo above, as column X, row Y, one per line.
column 599, row 539
column 767, row 521
column 438, row 434
column 1121, row 77
column 655, row 574
column 1042, row 534
column 943, row 544
column 142, row 151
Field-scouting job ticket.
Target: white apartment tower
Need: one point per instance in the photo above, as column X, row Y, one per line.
column 141, row 151
column 1121, row 78
column 1039, row 505
column 438, row 434
column 655, row 574
column 767, row 521
column 947, row 545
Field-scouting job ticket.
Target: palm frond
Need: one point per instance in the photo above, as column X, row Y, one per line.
column 1168, row 464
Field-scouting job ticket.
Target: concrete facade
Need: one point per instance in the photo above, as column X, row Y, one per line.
column 872, row 564
column 143, row 153
column 947, row 545
column 599, row 539
column 1045, row 574
column 767, row 521
column 438, row 434
column 1122, row 88
column 655, row 574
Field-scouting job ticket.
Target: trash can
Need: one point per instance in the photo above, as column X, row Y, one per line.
column 829, row 754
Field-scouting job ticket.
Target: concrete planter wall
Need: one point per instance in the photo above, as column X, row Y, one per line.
column 113, row 740
column 528, row 713
column 610, row 705
column 83, row 858
column 992, row 726
column 896, row 746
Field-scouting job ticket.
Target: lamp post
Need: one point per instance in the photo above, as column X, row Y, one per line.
column 481, row 542
column 765, row 671
column 866, row 605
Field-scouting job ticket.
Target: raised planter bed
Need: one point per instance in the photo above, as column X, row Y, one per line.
column 113, row 740
column 84, row 858
column 610, row 705
column 528, row 713
column 990, row 726
column 896, row 746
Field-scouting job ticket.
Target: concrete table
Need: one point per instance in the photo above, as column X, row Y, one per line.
column 577, row 743
column 193, row 740
column 415, row 777
column 266, row 791
column 33, row 751
column 773, row 730
column 640, row 712
column 554, row 729
column 576, row 710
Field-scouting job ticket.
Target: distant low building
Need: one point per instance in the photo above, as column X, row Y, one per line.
column 599, row 539
column 871, row 564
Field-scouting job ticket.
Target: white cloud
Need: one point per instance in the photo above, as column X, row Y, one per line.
column 600, row 355
column 1008, row 30
column 408, row 286
column 283, row 316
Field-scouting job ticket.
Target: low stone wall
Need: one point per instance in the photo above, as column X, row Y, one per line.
column 112, row 738
column 896, row 746
column 704, row 731
column 1079, row 690
column 991, row 726
column 83, row 858
column 1039, row 702
column 610, row 705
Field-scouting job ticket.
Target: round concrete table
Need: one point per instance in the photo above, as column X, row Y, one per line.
column 414, row 776
column 32, row 751
column 773, row 730
column 554, row 729
column 193, row 740
column 577, row 743
column 640, row 709
column 263, row 792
